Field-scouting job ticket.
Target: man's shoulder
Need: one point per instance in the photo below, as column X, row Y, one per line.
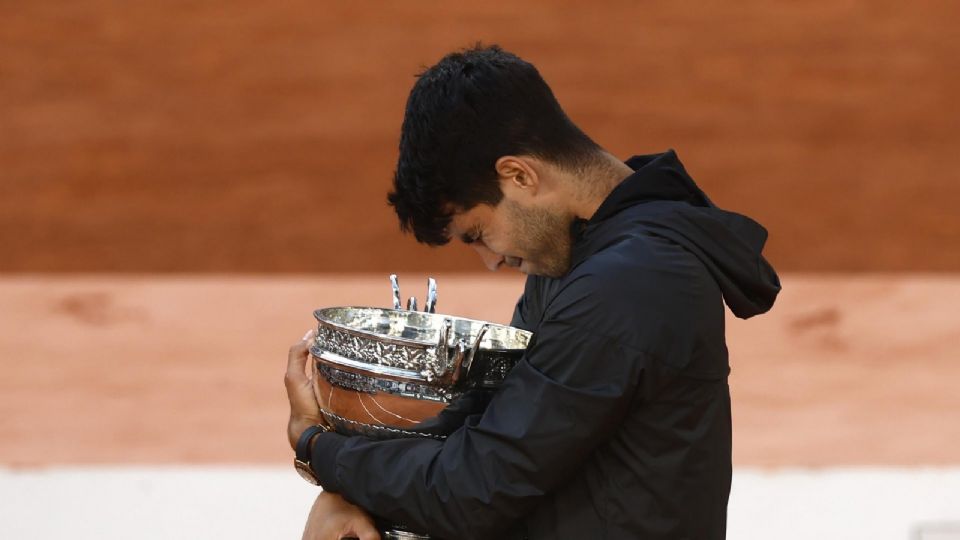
column 645, row 282
column 639, row 264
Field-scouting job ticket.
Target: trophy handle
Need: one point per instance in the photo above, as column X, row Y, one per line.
column 443, row 340
column 395, row 285
column 442, row 366
column 431, row 305
column 454, row 361
column 468, row 361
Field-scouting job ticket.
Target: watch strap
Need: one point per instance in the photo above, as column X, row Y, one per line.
column 303, row 443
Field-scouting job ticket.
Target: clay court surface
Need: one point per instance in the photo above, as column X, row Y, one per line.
column 150, row 370
column 165, row 398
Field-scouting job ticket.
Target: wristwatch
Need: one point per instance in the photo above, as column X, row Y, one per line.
column 301, row 461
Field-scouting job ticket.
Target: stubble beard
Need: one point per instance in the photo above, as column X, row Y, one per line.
column 544, row 236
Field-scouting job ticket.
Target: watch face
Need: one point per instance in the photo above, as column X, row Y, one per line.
column 305, row 472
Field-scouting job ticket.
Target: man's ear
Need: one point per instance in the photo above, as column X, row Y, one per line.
column 518, row 173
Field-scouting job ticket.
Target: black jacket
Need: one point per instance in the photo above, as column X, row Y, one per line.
column 616, row 423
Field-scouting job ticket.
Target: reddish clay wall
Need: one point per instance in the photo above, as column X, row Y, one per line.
column 260, row 136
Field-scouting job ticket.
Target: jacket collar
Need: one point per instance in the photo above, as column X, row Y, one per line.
column 656, row 177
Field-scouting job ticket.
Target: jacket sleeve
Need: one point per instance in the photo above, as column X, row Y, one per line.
column 566, row 396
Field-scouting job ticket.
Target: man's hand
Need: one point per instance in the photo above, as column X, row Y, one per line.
column 333, row 518
column 304, row 409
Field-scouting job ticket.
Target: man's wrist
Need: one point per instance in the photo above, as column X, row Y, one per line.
column 302, row 457
column 316, row 448
column 323, row 458
column 299, row 424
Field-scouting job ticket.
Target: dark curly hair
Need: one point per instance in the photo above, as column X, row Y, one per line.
column 463, row 114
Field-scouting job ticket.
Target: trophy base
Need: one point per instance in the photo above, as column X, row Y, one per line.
column 396, row 531
column 397, row 534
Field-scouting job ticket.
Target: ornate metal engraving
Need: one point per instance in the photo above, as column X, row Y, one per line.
column 494, row 369
column 372, row 351
column 431, row 345
column 371, row 385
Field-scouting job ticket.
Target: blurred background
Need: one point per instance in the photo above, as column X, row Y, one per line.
column 181, row 183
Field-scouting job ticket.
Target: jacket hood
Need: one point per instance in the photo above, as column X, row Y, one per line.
column 730, row 245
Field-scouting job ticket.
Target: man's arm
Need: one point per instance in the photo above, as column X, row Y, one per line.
column 333, row 518
column 565, row 398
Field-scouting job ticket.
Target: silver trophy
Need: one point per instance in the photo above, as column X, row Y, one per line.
column 391, row 373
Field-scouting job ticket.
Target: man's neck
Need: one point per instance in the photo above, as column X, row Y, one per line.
column 601, row 180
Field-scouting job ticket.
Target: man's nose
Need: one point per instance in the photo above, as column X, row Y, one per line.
column 490, row 259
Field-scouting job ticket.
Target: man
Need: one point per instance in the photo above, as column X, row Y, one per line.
column 616, row 423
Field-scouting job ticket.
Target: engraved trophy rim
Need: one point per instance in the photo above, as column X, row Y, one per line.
column 523, row 336
column 427, row 347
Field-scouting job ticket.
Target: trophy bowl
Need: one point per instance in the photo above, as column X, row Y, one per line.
column 389, row 373
column 392, row 373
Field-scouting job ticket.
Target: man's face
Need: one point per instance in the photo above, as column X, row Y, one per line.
column 535, row 239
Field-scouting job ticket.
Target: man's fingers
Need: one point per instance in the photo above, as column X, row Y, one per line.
column 297, row 360
column 296, row 363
